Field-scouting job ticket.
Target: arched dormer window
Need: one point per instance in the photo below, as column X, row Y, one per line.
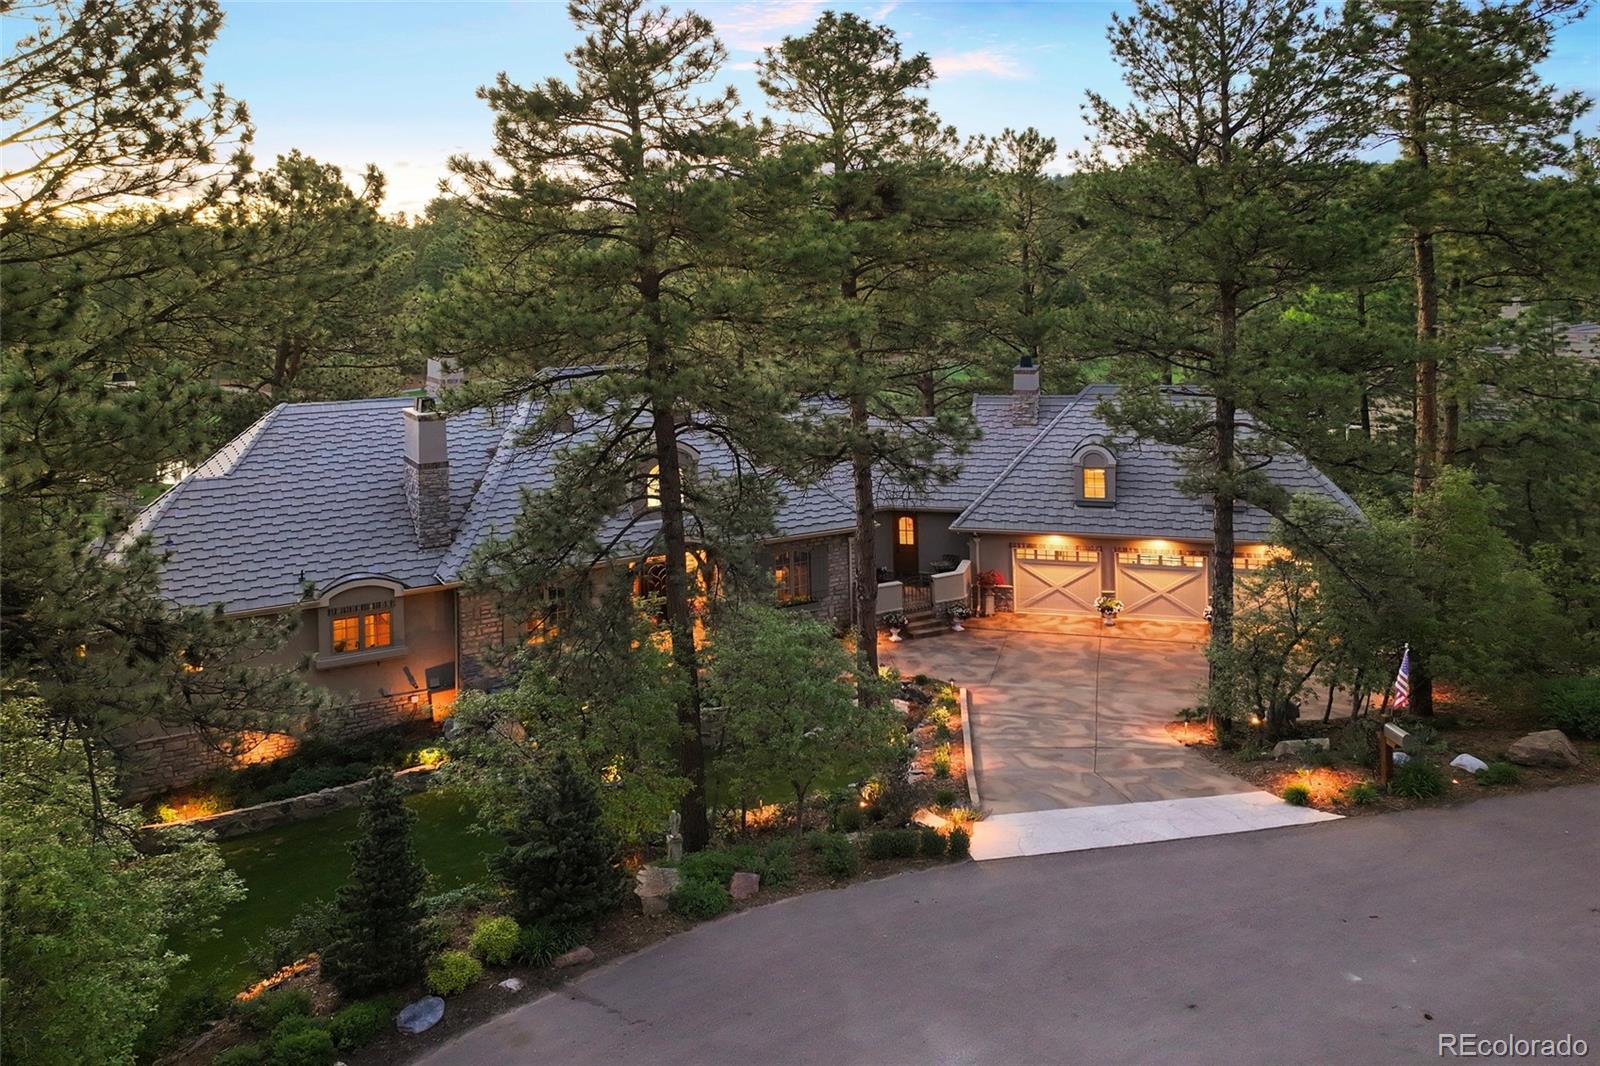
column 1096, row 471
column 687, row 461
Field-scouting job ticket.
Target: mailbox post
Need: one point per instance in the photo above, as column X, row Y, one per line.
column 1390, row 739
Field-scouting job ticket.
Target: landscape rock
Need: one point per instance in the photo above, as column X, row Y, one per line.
column 654, row 905
column 420, row 1016
column 1549, row 747
column 1401, row 758
column 511, row 984
column 744, row 885
column 576, row 957
column 655, row 881
column 1288, row 749
column 1470, row 763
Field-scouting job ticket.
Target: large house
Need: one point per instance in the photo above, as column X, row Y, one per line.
column 362, row 516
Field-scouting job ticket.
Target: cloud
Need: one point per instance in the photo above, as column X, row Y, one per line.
column 990, row 61
column 754, row 26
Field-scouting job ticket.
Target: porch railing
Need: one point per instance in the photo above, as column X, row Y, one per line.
column 952, row 586
column 891, row 597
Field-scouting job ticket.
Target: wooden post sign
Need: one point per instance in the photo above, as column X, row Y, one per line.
column 1391, row 738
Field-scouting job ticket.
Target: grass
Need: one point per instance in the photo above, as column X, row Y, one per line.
column 289, row 868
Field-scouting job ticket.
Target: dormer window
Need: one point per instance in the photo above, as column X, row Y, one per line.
column 1097, row 476
column 1094, row 482
column 650, row 497
column 361, row 623
column 652, row 487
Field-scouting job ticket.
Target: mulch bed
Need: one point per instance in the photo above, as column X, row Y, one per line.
column 1464, row 723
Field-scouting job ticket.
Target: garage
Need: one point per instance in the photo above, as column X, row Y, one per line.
column 1065, row 581
column 1165, row 585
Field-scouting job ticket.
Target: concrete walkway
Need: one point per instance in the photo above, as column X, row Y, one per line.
column 1065, row 720
column 1357, row 941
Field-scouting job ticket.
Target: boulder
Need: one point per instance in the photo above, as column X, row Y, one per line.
column 576, row 957
column 511, row 984
column 420, row 1016
column 655, row 882
column 1401, row 758
column 744, row 885
column 1549, row 747
column 1470, row 763
column 1288, row 749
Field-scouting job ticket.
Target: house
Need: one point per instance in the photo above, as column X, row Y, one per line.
column 362, row 517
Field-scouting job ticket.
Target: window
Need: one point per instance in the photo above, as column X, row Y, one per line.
column 1057, row 555
column 1153, row 558
column 347, row 634
column 791, row 572
column 548, row 617
column 361, row 627
column 905, row 531
column 1094, row 482
column 652, row 487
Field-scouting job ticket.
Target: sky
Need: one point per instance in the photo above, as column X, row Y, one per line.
column 395, row 84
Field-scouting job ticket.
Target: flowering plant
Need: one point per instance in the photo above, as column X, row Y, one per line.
column 895, row 620
column 958, row 610
column 1108, row 604
column 991, row 579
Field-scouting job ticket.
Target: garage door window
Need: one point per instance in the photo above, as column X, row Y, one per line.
column 1061, row 555
column 1138, row 558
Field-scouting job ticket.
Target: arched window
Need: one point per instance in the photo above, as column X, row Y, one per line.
column 652, row 487
column 1097, row 476
column 905, row 530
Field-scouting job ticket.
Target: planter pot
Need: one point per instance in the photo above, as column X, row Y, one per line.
column 894, row 634
column 957, row 627
column 1110, row 619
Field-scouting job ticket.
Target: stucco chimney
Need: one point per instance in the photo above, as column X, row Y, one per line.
column 443, row 374
column 427, row 474
column 1025, row 393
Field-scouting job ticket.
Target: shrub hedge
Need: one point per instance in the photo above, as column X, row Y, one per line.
column 700, row 900
column 453, row 973
column 1572, row 705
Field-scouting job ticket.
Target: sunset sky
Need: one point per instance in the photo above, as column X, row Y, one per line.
column 394, row 83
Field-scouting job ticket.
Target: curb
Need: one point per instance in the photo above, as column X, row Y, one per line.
column 966, row 747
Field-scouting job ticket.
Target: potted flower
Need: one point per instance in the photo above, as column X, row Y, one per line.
column 1109, row 607
column 956, row 612
column 895, row 621
column 988, row 581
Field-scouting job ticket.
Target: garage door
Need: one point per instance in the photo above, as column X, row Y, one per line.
column 1056, row 582
column 1162, row 585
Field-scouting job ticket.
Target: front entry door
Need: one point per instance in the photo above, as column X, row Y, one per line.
column 905, row 546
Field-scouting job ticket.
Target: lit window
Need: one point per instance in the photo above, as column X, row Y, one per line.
column 1094, row 482
column 360, row 626
column 347, row 633
column 377, row 629
column 906, row 530
column 791, row 572
column 652, row 487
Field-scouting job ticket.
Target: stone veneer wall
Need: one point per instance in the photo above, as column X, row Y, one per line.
column 833, row 599
column 428, row 496
column 480, row 631
column 158, row 763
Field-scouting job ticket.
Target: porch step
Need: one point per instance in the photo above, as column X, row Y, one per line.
column 925, row 623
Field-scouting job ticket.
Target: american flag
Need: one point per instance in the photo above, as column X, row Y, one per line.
column 1402, row 682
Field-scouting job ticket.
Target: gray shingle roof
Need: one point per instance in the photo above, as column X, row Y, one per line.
column 315, row 493
column 1037, row 491
column 311, row 493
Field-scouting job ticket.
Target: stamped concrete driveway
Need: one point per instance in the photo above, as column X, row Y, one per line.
column 1069, row 719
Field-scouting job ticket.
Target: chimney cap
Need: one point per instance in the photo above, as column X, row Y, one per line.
column 425, row 404
column 1026, row 362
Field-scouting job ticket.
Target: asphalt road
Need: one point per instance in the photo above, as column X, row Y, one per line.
column 1347, row 942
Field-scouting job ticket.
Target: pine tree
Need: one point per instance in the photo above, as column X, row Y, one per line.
column 1455, row 84
column 890, row 245
column 560, row 862
column 608, row 281
column 377, row 937
column 1220, row 179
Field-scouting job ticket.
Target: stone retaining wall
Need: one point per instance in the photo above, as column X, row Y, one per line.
column 295, row 809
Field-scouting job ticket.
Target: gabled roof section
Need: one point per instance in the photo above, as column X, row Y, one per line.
column 1036, row 491
column 310, row 493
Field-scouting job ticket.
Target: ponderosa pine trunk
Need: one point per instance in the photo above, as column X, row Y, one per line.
column 679, row 608
column 1426, row 437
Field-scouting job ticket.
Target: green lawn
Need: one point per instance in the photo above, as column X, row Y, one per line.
column 285, row 869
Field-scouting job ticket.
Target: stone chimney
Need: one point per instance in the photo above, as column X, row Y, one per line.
column 443, row 374
column 1025, row 393
column 427, row 474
